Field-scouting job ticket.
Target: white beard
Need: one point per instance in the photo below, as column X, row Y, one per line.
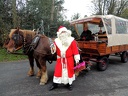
column 64, row 38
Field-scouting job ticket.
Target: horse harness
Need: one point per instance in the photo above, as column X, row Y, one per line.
column 28, row 48
column 16, row 38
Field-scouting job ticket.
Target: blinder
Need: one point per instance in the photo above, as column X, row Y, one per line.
column 17, row 38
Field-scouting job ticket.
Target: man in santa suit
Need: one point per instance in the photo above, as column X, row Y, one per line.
column 67, row 53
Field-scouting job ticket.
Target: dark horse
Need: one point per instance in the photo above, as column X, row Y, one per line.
column 41, row 51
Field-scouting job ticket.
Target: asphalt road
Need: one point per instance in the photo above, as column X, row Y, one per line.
column 111, row 82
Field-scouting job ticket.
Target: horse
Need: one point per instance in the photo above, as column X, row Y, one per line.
column 36, row 47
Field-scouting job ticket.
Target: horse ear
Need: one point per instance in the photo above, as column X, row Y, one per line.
column 15, row 27
column 17, row 30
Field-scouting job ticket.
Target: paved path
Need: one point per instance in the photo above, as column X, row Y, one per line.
column 112, row 82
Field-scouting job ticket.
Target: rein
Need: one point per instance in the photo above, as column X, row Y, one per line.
column 25, row 47
column 28, row 46
column 17, row 52
column 18, row 48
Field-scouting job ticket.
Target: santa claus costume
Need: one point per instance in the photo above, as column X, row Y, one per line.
column 67, row 52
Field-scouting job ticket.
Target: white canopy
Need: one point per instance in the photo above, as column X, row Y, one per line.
column 115, row 27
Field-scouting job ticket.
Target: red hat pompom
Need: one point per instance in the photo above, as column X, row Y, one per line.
column 60, row 28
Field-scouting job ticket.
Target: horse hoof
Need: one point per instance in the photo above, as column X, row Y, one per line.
column 42, row 83
column 38, row 77
column 31, row 75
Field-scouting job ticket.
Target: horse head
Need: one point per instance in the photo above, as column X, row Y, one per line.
column 14, row 41
column 17, row 39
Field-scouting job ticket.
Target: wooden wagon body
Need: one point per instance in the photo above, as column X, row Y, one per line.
column 112, row 40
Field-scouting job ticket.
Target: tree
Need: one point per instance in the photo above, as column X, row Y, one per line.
column 14, row 14
column 28, row 14
column 75, row 16
column 5, row 19
column 125, row 13
column 52, row 10
column 115, row 7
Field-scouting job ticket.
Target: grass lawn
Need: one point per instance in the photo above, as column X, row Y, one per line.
column 5, row 57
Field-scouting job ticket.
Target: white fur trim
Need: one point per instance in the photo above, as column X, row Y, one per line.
column 64, row 29
column 70, row 33
column 61, row 47
column 59, row 80
column 64, row 76
column 77, row 57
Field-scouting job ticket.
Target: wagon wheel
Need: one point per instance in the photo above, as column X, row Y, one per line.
column 107, row 56
column 102, row 63
column 124, row 57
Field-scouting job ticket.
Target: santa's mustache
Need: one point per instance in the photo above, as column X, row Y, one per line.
column 64, row 38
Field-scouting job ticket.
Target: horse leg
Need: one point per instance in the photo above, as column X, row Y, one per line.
column 44, row 77
column 31, row 61
column 39, row 73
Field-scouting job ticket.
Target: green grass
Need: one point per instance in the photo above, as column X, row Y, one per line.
column 5, row 57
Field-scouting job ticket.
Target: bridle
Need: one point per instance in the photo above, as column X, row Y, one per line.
column 18, row 38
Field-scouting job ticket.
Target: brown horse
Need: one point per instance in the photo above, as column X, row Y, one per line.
column 39, row 50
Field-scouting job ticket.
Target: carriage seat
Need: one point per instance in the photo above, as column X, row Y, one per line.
column 103, row 36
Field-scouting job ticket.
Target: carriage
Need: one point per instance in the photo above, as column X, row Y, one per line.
column 113, row 40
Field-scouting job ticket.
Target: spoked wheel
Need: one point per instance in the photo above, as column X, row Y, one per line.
column 102, row 63
column 124, row 57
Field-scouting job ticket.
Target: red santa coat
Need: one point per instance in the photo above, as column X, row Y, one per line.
column 64, row 72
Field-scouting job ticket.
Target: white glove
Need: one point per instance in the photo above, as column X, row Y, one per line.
column 77, row 61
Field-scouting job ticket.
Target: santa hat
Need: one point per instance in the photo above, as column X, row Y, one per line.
column 61, row 29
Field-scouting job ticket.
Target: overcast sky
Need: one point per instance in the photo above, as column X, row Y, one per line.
column 77, row 6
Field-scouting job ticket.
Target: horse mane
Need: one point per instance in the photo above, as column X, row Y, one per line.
column 25, row 32
column 11, row 33
column 30, row 32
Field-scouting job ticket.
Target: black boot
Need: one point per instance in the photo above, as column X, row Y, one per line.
column 54, row 86
column 69, row 87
